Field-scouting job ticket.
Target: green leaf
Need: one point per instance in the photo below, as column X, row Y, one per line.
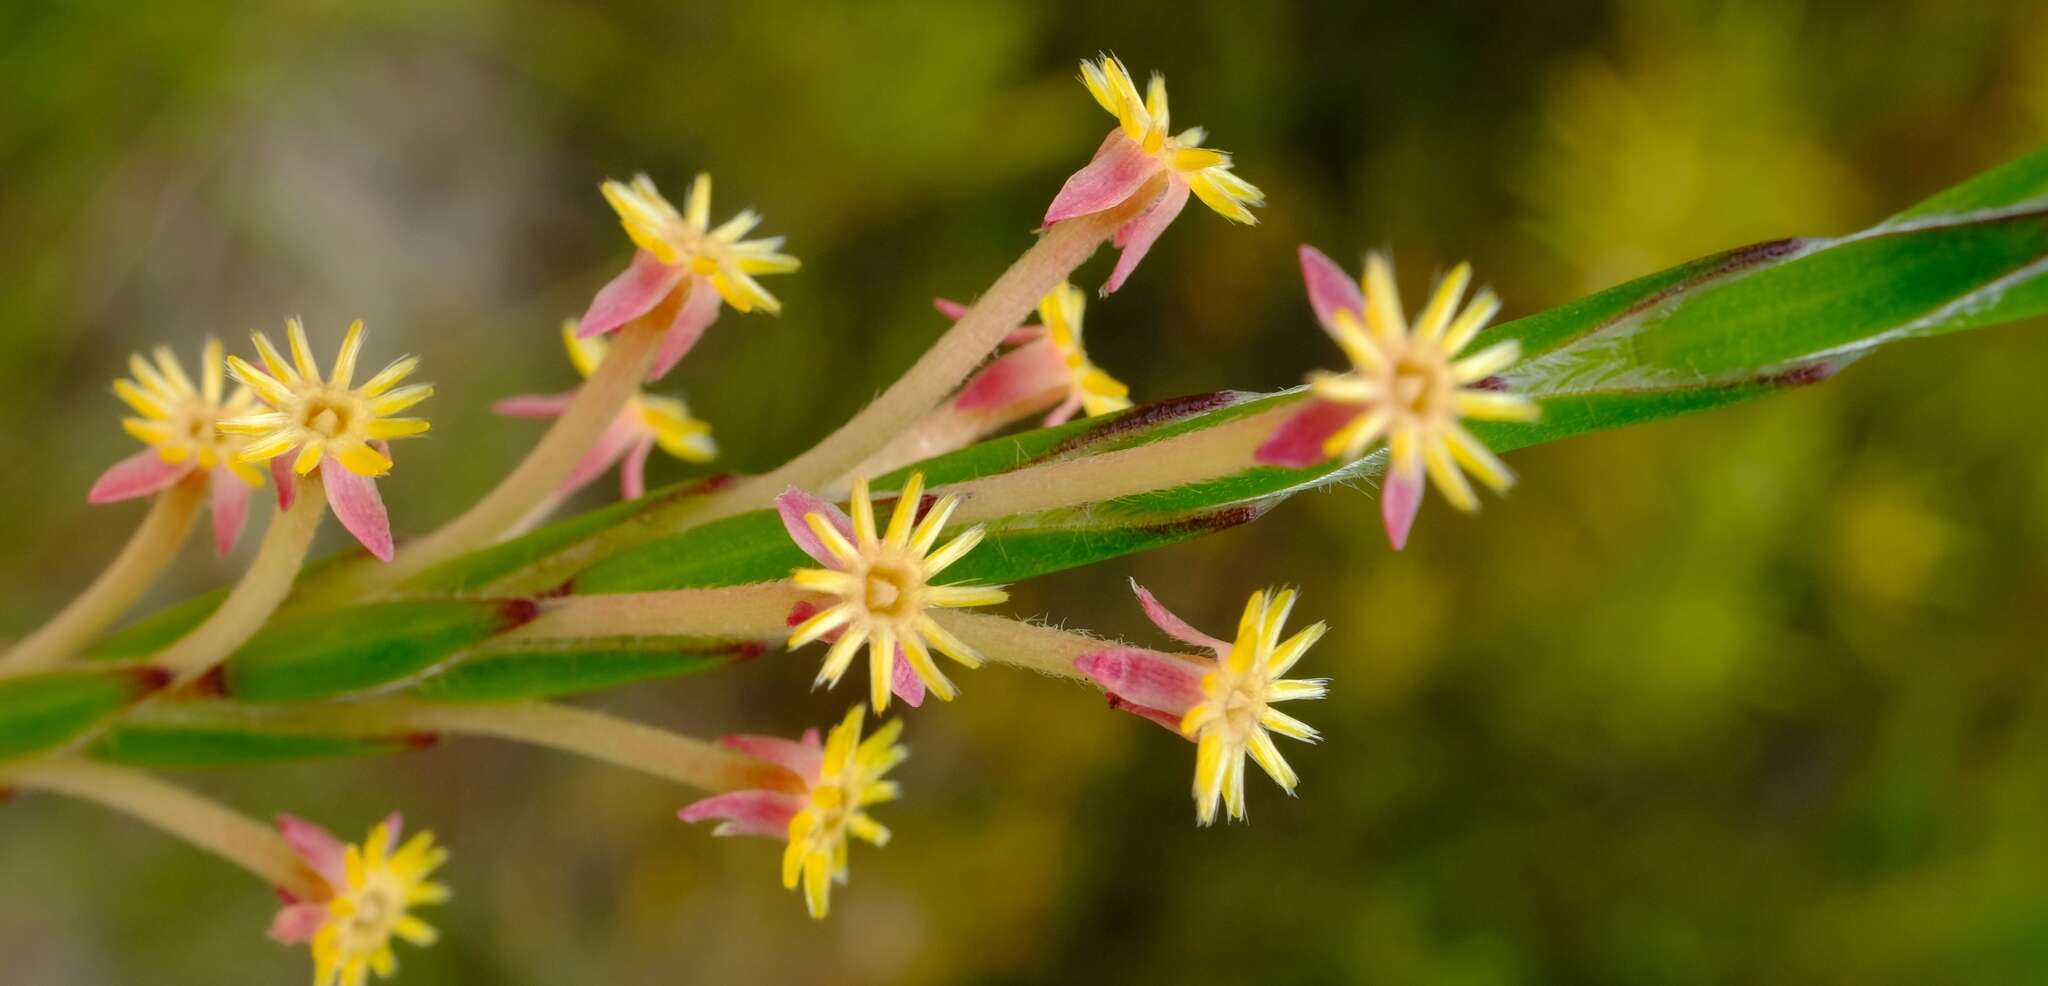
column 160, row 746
column 548, row 669
column 329, row 653
column 158, row 630
column 2015, row 183
column 40, row 711
column 479, row 568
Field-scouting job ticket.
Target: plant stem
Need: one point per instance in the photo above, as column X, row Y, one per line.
column 148, row 551
column 265, row 585
column 622, row 742
column 1020, row 644
column 1006, row 304
column 1210, row 453
column 537, row 477
column 636, row 746
column 199, row 820
column 945, row 429
column 759, row 609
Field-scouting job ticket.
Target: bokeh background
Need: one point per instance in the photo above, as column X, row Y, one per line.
column 1752, row 696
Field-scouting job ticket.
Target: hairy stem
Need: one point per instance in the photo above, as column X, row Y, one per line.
column 262, row 588
column 1210, row 453
column 199, row 820
column 946, row 429
column 537, row 477
column 148, row 551
column 1020, row 644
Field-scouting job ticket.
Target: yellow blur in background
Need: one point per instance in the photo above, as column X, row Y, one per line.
column 1750, row 696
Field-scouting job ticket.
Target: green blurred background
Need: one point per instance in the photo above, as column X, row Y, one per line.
column 1751, row 696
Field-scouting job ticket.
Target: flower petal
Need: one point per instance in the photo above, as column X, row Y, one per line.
column 140, row 474
column 611, row 445
column 950, row 308
column 230, row 509
column 1400, row 498
column 1137, row 236
column 1173, row 626
column 1299, row 439
column 296, row 924
column 633, row 470
column 286, row 481
column 355, row 503
column 316, row 847
column 1120, row 168
column 793, row 504
column 1166, row 720
column 631, row 294
column 534, row 405
column 765, row 813
column 1148, row 678
column 800, row 757
column 1330, row 290
column 904, row 681
column 696, row 314
column 1033, row 370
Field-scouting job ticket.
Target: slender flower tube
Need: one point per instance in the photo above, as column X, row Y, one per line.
column 1142, row 147
column 198, row 820
column 331, row 425
column 883, row 584
column 261, row 589
column 680, row 253
column 645, row 422
column 1045, row 370
column 186, row 459
column 1225, row 705
column 364, row 897
column 1048, row 364
column 1407, row 384
column 841, row 779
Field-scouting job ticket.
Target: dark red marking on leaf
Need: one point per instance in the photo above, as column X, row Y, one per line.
column 148, row 678
column 212, row 684
column 1732, row 262
column 1146, row 416
column 514, row 613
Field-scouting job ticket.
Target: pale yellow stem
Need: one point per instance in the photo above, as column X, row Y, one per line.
column 1035, row 646
column 1006, row 304
column 199, row 820
column 760, row 609
column 635, row 746
column 148, row 552
column 537, row 477
column 945, row 429
column 265, row 585
column 622, row 742
column 1198, row 456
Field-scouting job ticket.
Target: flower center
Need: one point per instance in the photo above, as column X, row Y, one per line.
column 377, row 906
column 1242, row 705
column 1419, row 382
column 327, row 416
column 889, row 588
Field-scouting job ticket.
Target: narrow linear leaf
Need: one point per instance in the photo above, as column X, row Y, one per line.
column 41, row 711
column 550, row 669
column 160, row 746
column 325, row 654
